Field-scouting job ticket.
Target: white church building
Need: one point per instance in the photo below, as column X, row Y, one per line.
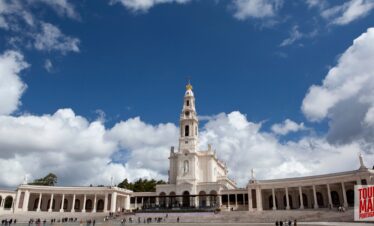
column 197, row 180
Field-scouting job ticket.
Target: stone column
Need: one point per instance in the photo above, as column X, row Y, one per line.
column 62, row 203
column 94, row 207
column 39, row 203
column 329, row 195
column 113, row 202
column 219, row 200
column 274, row 202
column 142, row 202
column 344, row 196
column 287, row 200
column 51, row 203
column 18, row 199
column 157, row 201
column 259, row 199
column 73, row 204
column 250, row 206
column 236, row 200
column 106, row 203
column 26, row 201
column 84, row 203
column 207, row 198
column 315, row 197
column 301, row 198
column 127, row 202
column 228, row 201
column 243, row 199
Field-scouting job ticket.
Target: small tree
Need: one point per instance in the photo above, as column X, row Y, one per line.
column 49, row 180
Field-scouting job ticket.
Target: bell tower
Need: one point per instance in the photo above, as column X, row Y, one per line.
column 188, row 123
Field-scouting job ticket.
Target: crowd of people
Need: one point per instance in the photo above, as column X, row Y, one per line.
column 146, row 220
column 286, row 223
column 7, row 222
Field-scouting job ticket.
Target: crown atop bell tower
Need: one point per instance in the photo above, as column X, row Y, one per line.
column 189, row 89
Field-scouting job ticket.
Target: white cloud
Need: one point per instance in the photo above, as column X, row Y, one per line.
column 62, row 7
column 242, row 145
column 144, row 5
column 48, row 66
column 258, row 9
column 348, row 12
column 295, row 35
column 24, row 25
column 346, row 95
column 286, row 127
column 51, row 38
column 11, row 85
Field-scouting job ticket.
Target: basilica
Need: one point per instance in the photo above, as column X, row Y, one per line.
column 199, row 181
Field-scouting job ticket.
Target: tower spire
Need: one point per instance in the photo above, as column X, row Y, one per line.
column 188, row 137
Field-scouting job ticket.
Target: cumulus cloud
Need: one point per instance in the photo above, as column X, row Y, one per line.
column 286, row 127
column 348, row 12
column 51, row 38
column 11, row 85
column 243, row 145
column 346, row 95
column 144, row 5
column 257, row 9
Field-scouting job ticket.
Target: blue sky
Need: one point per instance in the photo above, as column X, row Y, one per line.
column 127, row 60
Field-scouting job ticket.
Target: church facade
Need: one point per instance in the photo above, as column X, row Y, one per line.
column 197, row 180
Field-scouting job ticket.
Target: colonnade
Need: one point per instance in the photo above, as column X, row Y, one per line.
column 49, row 201
column 328, row 195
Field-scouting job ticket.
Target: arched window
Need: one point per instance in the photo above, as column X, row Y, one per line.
column 187, row 130
column 187, row 103
column 186, row 199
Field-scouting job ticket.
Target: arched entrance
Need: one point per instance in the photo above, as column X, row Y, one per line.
column 335, row 198
column 162, row 200
column 350, row 197
column 172, row 199
column 100, row 206
column 186, row 199
column 77, row 205
column 202, row 199
column 89, row 205
column 320, row 199
column 213, row 198
column 8, row 202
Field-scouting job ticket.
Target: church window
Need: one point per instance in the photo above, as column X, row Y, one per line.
column 187, row 130
column 188, row 103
